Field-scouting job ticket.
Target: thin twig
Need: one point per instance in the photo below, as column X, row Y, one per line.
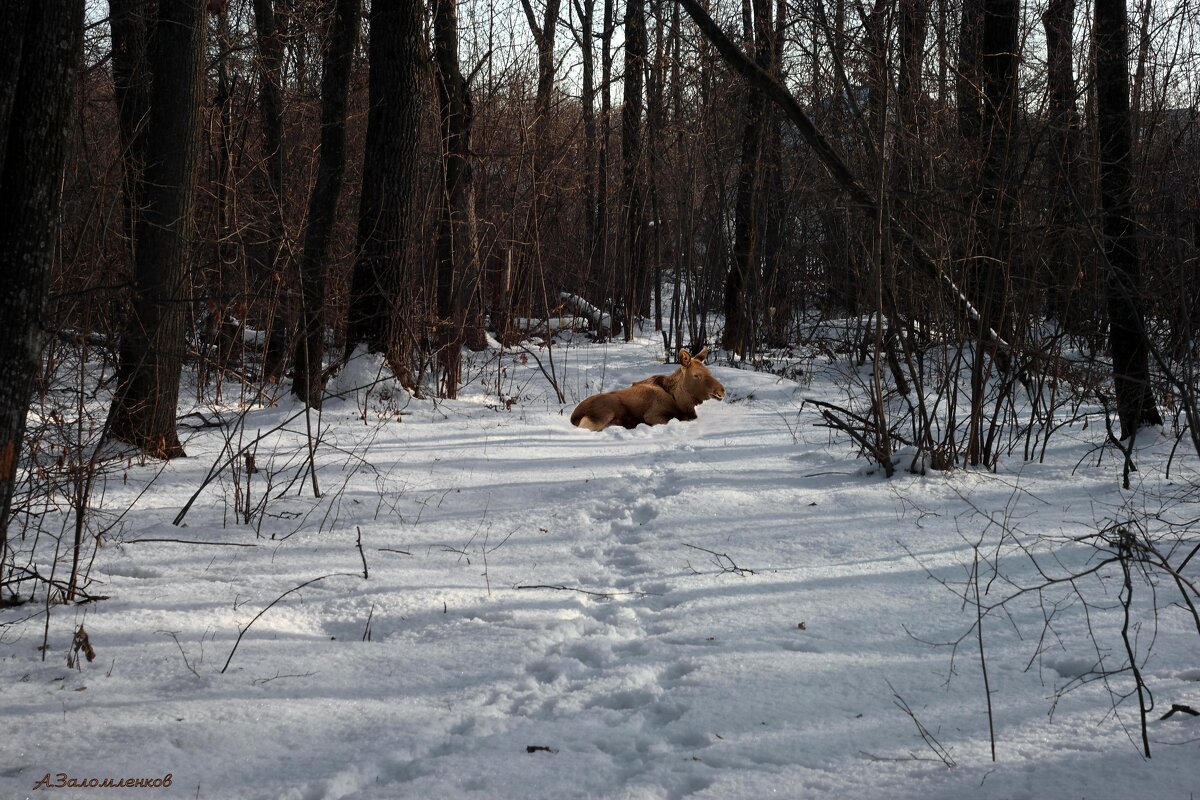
column 363, row 555
column 272, row 603
column 189, row 541
column 723, row 561
column 603, row 595
column 987, row 689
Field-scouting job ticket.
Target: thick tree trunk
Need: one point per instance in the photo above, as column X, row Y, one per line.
column 389, row 171
column 990, row 273
column 741, row 279
column 43, row 42
column 1062, row 251
column 635, row 281
column 969, row 79
column 131, row 88
column 999, row 55
column 152, row 345
column 12, row 38
column 457, row 244
column 587, row 12
column 1128, row 340
column 309, row 357
column 777, row 292
column 270, row 102
column 221, row 285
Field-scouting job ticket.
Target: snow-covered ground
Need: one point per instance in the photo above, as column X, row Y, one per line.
column 727, row 608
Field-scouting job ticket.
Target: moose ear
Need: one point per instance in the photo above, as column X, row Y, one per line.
column 702, row 354
column 685, row 358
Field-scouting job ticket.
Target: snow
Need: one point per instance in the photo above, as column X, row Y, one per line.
column 724, row 608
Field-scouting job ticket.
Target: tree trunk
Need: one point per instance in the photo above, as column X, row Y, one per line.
column 309, row 357
column 1062, row 252
column 131, row 88
column 999, row 60
column 777, row 294
column 43, row 43
column 989, row 276
column 635, row 281
column 541, row 209
column 457, row 257
column 603, row 222
column 270, row 101
column 587, row 11
column 741, row 280
column 389, row 171
column 969, row 80
column 221, row 284
column 1128, row 339
column 152, row 345
column 655, row 127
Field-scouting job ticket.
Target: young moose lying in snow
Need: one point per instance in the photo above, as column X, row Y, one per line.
column 655, row 400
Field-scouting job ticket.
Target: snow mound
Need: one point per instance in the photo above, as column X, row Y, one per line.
column 368, row 382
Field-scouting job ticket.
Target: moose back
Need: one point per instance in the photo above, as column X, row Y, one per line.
column 655, row 400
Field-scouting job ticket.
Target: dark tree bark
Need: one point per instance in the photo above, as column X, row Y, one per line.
column 221, row 285
column 741, row 279
column 42, row 42
column 990, row 274
column 655, row 139
column 914, row 26
column 541, row 208
column 396, row 92
column 603, row 221
column 1062, row 252
column 777, row 294
column 270, row 103
column 12, row 37
column 587, row 12
column 152, row 345
column 1128, row 340
column 131, row 88
column 635, row 283
column 969, row 79
column 543, row 32
column 309, row 356
column 457, row 258
column 999, row 56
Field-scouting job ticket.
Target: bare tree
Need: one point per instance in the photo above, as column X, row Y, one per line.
column 1128, row 339
column 635, row 283
column 270, row 32
column 41, row 50
column 152, row 345
column 1063, row 248
column 397, row 90
column 741, row 280
column 541, row 209
column 457, row 240
column 131, row 88
column 998, row 55
column 308, row 360
column 586, row 11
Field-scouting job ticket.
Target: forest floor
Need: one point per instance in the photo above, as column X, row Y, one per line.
column 510, row 607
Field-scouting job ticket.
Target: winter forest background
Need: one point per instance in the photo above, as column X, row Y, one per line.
column 305, row 290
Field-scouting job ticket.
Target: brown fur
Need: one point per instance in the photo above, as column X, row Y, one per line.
column 655, row 400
